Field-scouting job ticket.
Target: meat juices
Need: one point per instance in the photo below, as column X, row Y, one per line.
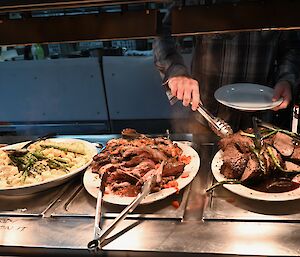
column 273, row 168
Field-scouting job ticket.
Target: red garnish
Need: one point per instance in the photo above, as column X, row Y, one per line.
column 185, row 159
column 175, row 204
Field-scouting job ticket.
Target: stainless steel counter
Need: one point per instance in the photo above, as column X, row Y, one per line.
column 61, row 221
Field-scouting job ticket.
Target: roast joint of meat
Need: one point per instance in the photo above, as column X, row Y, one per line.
column 274, row 167
column 133, row 158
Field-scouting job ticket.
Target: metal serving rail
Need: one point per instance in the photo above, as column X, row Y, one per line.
column 60, row 220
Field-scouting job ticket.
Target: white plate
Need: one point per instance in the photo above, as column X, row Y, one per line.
column 247, row 96
column 37, row 187
column 91, row 181
column 248, row 192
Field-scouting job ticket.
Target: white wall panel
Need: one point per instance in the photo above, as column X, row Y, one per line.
column 52, row 90
column 134, row 90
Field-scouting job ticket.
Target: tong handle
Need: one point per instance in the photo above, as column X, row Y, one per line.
column 41, row 138
column 207, row 115
column 128, row 209
column 95, row 245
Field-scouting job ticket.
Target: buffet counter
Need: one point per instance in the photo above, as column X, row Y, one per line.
column 61, row 220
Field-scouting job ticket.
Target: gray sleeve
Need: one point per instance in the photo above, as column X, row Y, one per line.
column 166, row 57
column 289, row 58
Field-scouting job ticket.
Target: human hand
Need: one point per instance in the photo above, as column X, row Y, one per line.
column 282, row 89
column 185, row 89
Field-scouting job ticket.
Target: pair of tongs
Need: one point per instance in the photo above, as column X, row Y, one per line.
column 23, row 150
column 258, row 139
column 100, row 235
column 218, row 126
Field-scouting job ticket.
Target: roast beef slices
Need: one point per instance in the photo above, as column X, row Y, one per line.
column 283, row 143
column 125, row 189
column 296, row 154
column 242, row 142
column 141, row 169
column 100, row 160
column 234, row 162
column 105, row 168
column 252, row 169
column 290, row 166
column 173, row 168
column 136, row 160
column 167, row 147
column 296, row 179
column 121, row 176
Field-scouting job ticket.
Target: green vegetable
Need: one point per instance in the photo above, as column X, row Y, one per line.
column 277, row 162
column 228, row 181
column 260, row 160
column 64, row 149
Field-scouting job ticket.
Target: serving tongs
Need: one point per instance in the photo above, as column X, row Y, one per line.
column 23, row 150
column 258, row 139
column 100, row 235
column 218, row 126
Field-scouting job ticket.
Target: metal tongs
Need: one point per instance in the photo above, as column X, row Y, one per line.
column 23, row 150
column 218, row 126
column 258, row 139
column 100, row 235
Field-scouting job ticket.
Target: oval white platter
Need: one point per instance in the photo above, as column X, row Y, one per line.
column 91, row 181
column 248, row 192
column 47, row 184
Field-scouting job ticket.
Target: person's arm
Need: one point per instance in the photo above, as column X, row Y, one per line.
column 172, row 68
column 288, row 68
column 166, row 57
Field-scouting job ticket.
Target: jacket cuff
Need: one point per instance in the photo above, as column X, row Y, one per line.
column 176, row 70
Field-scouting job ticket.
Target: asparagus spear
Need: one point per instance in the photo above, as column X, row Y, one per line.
column 228, row 181
column 64, row 149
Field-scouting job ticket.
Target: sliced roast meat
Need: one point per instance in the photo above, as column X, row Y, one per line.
column 296, row 179
column 173, row 168
column 129, row 161
column 141, row 169
column 252, row 169
column 132, row 151
column 283, row 143
column 296, row 154
column 290, row 166
column 121, row 176
column 262, row 171
column 243, row 142
column 228, row 172
column 105, row 168
column 236, row 160
column 130, row 190
column 156, row 155
column 115, row 186
column 135, row 160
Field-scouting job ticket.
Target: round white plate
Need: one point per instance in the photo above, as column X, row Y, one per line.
column 37, row 187
column 247, row 96
column 248, row 192
column 91, row 181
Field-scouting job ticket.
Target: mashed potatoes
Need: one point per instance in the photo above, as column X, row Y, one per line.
column 45, row 160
